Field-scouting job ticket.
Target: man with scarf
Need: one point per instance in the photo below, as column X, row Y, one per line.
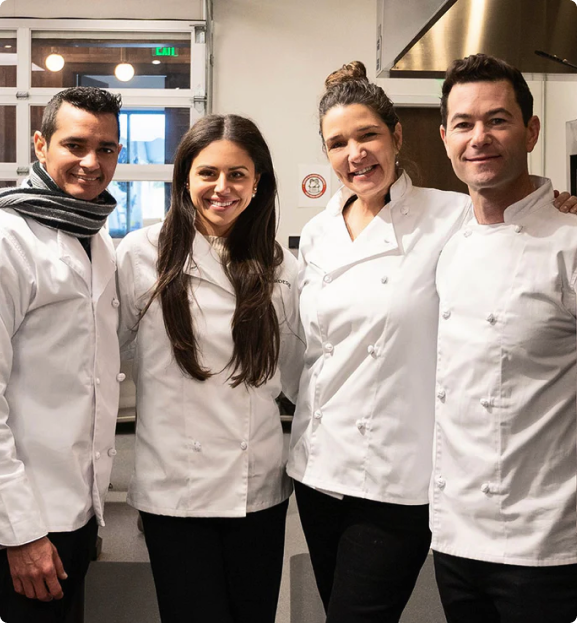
column 59, row 359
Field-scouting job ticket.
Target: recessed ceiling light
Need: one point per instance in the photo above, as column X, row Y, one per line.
column 157, row 62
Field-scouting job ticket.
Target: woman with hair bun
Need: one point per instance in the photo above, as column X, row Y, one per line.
column 361, row 445
column 209, row 300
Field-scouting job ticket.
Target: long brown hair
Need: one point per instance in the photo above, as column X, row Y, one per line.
column 253, row 257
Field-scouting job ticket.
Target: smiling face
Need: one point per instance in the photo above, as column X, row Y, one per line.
column 486, row 139
column 221, row 183
column 82, row 154
column 362, row 150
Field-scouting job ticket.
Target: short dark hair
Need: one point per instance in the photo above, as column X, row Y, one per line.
column 91, row 99
column 484, row 68
column 350, row 85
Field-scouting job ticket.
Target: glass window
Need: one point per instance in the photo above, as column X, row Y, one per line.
column 8, row 183
column 8, row 57
column 7, row 133
column 139, row 204
column 151, row 136
column 36, row 113
column 149, row 61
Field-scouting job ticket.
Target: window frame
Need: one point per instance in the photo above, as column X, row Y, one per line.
column 198, row 99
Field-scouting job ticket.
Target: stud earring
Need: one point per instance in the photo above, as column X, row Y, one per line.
column 254, row 192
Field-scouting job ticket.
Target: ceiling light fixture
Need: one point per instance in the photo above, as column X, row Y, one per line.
column 54, row 62
column 124, row 71
column 157, row 62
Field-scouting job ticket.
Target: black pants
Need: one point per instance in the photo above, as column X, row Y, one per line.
column 226, row 570
column 473, row 591
column 75, row 550
column 366, row 555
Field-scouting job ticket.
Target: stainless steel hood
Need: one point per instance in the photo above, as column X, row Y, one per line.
column 419, row 38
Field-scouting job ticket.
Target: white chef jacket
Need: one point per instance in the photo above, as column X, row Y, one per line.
column 59, row 367
column 364, row 418
column 203, row 448
column 505, row 459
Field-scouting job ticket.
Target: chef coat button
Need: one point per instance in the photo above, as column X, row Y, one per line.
column 112, row 452
column 440, row 481
column 197, row 446
column 467, row 233
column 486, row 487
column 370, row 349
column 97, row 381
column 386, row 240
column 329, row 347
column 327, row 279
column 518, row 229
column 485, row 403
column 446, row 313
column 441, row 393
column 404, row 210
column 318, row 414
column 97, row 455
column 384, row 279
column 360, row 425
column 491, row 319
column 243, row 445
column 115, row 302
column 120, row 377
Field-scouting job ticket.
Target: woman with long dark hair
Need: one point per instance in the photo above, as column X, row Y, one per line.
column 209, row 304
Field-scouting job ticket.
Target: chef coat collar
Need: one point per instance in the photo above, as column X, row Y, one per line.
column 542, row 195
column 400, row 187
column 203, row 263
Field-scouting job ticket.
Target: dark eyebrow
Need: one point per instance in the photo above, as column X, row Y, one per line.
column 364, row 128
column 333, row 138
column 367, row 127
column 208, row 166
column 494, row 111
column 83, row 141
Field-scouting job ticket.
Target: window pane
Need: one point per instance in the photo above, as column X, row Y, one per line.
column 8, row 183
column 159, row 60
column 7, row 133
column 8, row 53
column 36, row 113
column 152, row 136
column 139, row 204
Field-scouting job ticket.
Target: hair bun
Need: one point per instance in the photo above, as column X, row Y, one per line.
column 355, row 70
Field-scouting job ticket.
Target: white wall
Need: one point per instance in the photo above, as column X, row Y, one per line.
column 271, row 59
column 103, row 9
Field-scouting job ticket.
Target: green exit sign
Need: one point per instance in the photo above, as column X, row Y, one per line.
column 162, row 51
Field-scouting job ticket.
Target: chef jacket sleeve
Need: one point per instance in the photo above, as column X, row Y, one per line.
column 129, row 312
column 20, row 516
column 292, row 344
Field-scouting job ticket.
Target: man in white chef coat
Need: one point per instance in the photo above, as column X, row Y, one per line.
column 504, row 484
column 59, row 359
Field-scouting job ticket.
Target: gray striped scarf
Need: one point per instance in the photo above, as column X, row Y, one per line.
column 41, row 199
